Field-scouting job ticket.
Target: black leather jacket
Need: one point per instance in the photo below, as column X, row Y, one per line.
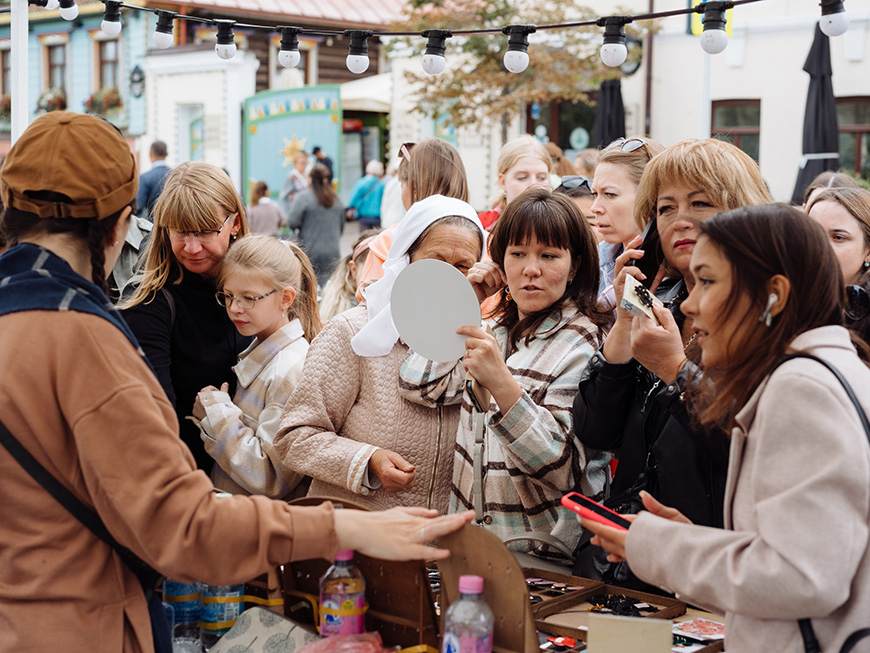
column 625, row 408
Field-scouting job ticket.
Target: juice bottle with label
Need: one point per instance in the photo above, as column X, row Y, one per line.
column 342, row 598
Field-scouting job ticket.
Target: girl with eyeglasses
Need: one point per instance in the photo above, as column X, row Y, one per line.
column 186, row 335
column 269, row 290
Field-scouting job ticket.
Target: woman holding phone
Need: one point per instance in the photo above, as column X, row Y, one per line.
column 797, row 509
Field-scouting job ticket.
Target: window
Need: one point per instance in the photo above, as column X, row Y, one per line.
column 853, row 120
column 57, row 66
column 6, row 71
column 738, row 122
column 108, row 53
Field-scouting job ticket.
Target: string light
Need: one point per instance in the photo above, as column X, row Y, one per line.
column 226, row 40
column 614, row 52
column 288, row 55
column 516, row 59
column 111, row 24
column 69, row 10
column 714, row 39
column 163, row 37
column 358, row 55
column 433, row 59
column 51, row 5
column 835, row 20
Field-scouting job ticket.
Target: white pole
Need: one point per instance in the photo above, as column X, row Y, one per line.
column 706, row 102
column 20, row 102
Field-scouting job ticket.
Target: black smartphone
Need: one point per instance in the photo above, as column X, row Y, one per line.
column 653, row 256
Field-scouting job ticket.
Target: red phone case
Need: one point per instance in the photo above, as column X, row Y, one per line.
column 586, row 508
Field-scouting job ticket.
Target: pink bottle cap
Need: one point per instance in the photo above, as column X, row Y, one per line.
column 344, row 554
column 470, row 585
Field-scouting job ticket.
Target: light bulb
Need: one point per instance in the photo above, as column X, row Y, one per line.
column 289, row 58
column 835, row 24
column 434, row 64
column 70, row 12
column 357, row 63
column 110, row 27
column 713, row 41
column 162, row 40
column 51, row 5
column 225, row 50
column 613, row 54
column 516, row 61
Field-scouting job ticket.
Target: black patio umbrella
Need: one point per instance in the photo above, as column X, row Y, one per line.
column 609, row 114
column 820, row 119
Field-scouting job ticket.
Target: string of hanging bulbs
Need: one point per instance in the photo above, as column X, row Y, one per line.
column 714, row 39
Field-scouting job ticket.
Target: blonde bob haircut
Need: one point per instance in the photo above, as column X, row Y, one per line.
column 197, row 196
column 514, row 150
column 280, row 264
column 729, row 176
column 435, row 168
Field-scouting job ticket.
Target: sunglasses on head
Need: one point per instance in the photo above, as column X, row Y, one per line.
column 576, row 181
column 405, row 151
column 627, row 145
column 857, row 303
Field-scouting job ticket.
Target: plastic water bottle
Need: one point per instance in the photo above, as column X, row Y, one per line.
column 184, row 599
column 342, row 598
column 468, row 622
column 221, row 606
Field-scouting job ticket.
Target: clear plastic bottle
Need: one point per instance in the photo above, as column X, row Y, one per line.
column 184, row 599
column 342, row 598
column 468, row 622
column 219, row 611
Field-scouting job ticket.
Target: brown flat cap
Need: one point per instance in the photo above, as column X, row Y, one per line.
column 80, row 156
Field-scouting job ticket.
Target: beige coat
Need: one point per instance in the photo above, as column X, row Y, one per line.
column 80, row 398
column 797, row 513
column 346, row 407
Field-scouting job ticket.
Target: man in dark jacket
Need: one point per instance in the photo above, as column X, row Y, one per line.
column 151, row 182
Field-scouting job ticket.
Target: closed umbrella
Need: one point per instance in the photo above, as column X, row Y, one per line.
column 609, row 114
column 820, row 119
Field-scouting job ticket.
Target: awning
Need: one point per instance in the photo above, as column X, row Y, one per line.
column 371, row 93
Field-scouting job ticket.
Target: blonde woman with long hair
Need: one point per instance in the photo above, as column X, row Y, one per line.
column 186, row 335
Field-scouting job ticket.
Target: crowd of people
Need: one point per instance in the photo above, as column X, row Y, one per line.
column 272, row 370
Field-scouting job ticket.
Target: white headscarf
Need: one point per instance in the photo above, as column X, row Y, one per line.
column 378, row 336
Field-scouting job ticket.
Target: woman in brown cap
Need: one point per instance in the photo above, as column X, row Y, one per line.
column 77, row 393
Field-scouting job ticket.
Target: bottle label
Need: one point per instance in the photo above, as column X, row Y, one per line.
column 219, row 613
column 469, row 643
column 184, row 598
column 342, row 614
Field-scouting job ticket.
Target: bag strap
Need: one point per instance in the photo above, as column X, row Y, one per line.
column 80, row 511
column 543, row 538
column 811, row 644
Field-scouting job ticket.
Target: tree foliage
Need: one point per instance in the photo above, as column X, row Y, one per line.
column 564, row 64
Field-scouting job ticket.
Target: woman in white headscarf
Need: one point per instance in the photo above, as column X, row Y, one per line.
column 346, row 426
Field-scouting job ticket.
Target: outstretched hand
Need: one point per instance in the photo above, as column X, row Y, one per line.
column 398, row 533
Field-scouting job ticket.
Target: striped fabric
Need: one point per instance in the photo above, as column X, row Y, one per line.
column 530, row 456
column 239, row 433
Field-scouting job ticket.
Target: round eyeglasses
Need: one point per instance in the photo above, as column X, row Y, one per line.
column 204, row 236
column 244, row 302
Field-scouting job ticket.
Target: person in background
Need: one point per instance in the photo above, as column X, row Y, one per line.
column 797, row 509
column 392, row 208
column 186, row 335
column 366, row 196
column 550, row 324
column 270, row 292
column 562, row 167
column 295, row 183
column 346, row 425
column 617, row 174
column 264, row 216
column 151, row 182
column 319, row 216
column 579, row 189
column 87, row 407
column 321, row 158
column 584, row 163
column 522, row 163
column 339, row 293
column 825, row 180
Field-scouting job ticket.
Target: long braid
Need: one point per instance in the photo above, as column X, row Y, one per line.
column 96, row 245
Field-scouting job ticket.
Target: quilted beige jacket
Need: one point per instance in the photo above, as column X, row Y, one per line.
column 346, row 407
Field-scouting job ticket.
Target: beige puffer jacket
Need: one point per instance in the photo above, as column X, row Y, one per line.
column 347, row 406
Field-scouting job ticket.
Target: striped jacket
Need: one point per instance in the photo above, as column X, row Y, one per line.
column 239, row 433
column 530, row 456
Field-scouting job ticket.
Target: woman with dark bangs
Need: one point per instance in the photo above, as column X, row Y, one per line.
column 186, row 335
column 544, row 268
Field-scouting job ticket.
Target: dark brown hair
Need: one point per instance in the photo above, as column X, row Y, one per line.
column 259, row 191
column 321, row 186
column 555, row 221
column 760, row 242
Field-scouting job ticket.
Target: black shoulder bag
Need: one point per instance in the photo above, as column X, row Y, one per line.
column 147, row 576
column 811, row 644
